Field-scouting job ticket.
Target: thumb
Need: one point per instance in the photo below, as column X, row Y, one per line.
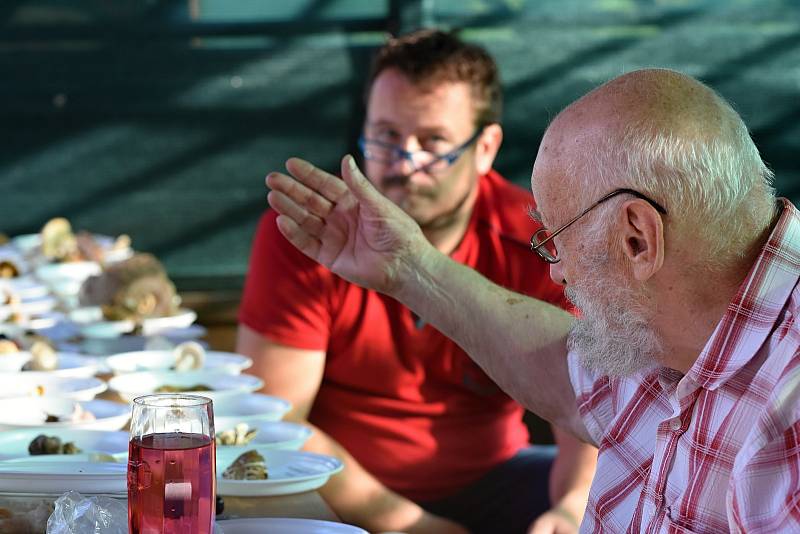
column 358, row 184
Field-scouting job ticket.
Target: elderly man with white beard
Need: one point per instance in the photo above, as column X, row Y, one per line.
column 684, row 367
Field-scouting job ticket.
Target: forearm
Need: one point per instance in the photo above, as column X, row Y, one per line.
column 571, row 475
column 519, row 342
column 359, row 498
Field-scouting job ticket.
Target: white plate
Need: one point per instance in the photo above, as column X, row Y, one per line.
column 289, row 472
column 251, row 407
column 162, row 360
column 14, row 443
column 37, row 305
column 132, row 385
column 13, row 361
column 27, row 385
column 71, row 365
column 54, row 274
column 183, row 318
column 129, row 343
column 55, row 477
column 26, row 412
column 27, row 287
column 27, row 242
column 282, row 525
column 271, row 434
column 90, row 322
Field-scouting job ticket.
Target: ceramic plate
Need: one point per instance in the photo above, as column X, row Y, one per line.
column 26, row 412
column 132, row 385
column 270, row 434
column 14, row 443
column 182, row 319
column 162, row 360
column 41, row 476
column 13, row 361
column 70, row 365
column 25, row 384
column 129, row 343
column 289, row 472
column 27, row 287
column 251, row 407
column 281, row 525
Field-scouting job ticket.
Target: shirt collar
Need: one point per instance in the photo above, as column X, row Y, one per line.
column 753, row 312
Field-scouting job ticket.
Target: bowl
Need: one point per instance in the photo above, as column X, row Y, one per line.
column 163, row 360
column 26, row 412
column 132, row 385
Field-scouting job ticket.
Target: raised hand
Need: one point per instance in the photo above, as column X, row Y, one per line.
column 346, row 225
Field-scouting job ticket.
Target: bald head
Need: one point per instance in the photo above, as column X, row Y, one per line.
column 666, row 135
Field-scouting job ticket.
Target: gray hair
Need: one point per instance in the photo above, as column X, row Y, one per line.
column 705, row 173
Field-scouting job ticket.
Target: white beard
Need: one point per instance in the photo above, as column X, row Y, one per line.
column 613, row 335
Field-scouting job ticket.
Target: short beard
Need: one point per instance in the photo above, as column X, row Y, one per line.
column 613, row 336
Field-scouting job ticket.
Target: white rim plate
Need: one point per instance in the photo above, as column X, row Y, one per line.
column 27, row 413
column 285, row 525
column 271, row 434
column 55, row 477
column 289, row 472
column 14, row 443
column 36, row 384
column 162, row 360
column 132, row 385
column 70, row 365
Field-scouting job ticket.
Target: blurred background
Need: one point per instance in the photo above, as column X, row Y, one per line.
column 160, row 118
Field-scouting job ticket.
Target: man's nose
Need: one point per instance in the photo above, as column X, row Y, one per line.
column 405, row 164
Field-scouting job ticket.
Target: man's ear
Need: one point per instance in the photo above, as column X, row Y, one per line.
column 486, row 147
column 642, row 238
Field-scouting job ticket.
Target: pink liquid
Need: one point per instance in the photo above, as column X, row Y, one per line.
column 171, row 484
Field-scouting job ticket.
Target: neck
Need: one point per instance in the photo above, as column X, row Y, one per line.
column 446, row 231
column 700, row 305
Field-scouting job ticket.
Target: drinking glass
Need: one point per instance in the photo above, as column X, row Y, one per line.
column 171, row 465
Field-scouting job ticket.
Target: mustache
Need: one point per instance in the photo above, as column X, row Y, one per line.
column 404, row 181
column 395, row 180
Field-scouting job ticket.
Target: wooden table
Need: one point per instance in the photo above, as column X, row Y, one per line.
column 306, row 505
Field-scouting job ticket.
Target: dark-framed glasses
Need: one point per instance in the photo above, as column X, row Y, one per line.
column 422, row 160
column 542, row 241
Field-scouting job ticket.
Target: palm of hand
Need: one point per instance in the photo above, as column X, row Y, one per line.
column 345, row 225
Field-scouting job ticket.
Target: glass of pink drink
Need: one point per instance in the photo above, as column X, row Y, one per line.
column 171, row 465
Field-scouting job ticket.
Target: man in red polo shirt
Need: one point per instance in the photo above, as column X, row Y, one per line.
column 430, row 443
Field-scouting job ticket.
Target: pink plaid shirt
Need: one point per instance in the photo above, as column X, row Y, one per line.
column 718, row 449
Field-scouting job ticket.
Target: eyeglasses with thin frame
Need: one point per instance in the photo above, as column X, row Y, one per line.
column 542, row 241
column 422, row 160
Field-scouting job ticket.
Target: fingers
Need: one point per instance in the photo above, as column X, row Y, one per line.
column 358, row 184
column 314, row 178
column 307, row 244
column 285, row 205
column 299, row 194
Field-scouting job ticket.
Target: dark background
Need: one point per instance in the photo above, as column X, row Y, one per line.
column 160, row 118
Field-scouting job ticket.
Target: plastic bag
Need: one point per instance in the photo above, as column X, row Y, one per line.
column 76, row 514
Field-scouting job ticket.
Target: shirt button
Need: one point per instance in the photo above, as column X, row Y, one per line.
column 675, row 424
